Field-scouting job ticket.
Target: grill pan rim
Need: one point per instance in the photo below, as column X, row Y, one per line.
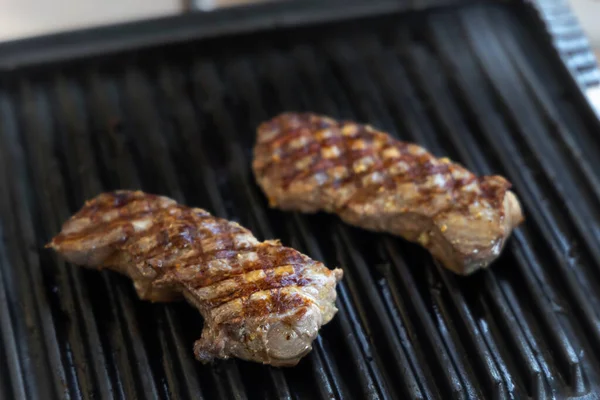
column 270, row 17
column 106, row 40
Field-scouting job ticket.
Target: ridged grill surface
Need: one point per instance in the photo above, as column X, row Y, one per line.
column 474, row 84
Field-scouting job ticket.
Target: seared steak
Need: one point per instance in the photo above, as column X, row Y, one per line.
column 260, row 301
column 309, row 163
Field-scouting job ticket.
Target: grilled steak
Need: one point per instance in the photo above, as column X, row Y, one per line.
column 309, row 163
column 260, row 301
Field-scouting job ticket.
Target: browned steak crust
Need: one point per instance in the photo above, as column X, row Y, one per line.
column 309, row 162
column 261, row 301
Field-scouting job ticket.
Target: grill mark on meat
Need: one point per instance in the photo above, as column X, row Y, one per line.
column 276, row 301
column 250, row 282
column 377, row 182
column 171, row 237
column 369, row 148
column 250, row 292
column 98, row 217
column 221, row 268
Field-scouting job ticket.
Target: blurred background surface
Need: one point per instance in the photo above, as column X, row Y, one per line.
column 588, row 13
column 24, row 18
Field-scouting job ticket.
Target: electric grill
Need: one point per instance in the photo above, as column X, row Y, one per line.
column 170, row 106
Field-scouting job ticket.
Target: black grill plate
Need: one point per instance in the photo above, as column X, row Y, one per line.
column 174, row 113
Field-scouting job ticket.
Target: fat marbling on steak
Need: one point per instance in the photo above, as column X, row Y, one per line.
column 310, row 163
column 260, row 301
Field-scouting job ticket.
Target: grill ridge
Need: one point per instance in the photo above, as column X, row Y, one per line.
column 69, row 162
column 308, row 60
column 132, row 179
column 185, row 364
column 106, row 124
column 414, row 389
column 10, row 352
column 549, row 157
column 547, row 224
column 448, row 121
column 368, row 110
column 413, row 356
column 69, row 121
column 287, row 99
column 77, row 155
column 180, row 121
column 533, row 369
column 324, row 380
column 8, row 338
column 222, row 124
column 569, row 255
column 26, row 278
column 186, row 125
column 397, row 78
column 451, row 122
column 562, row 342
column 257, row 223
